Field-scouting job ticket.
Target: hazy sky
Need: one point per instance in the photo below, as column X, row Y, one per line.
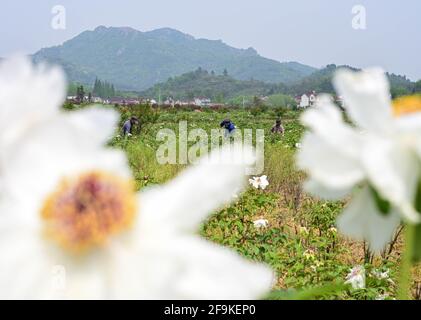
column 314, row 32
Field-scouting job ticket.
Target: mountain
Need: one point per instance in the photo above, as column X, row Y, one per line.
column 135, row 60
column 213, row 86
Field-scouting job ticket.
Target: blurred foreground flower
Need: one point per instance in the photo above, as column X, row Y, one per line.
column 378, row 161
column 356, row 277
column 259, row 182
column 69, row 202
column 28, row 95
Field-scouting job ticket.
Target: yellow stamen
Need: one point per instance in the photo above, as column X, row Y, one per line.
column 84, row 212
column 406, row 105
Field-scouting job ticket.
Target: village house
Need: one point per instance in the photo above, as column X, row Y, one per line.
column 306, row 100
column 122, row 101
column 97, row 100
column 202, row 101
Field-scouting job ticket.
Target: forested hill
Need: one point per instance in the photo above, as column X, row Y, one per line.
column 321, row 81
column 220, row 87
column 217, row 87
column 135, row 60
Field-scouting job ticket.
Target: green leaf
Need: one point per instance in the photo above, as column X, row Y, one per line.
column 309, row 294
column 382, row 204
column 416, row 254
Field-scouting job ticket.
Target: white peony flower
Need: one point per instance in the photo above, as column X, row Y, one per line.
column 71, row 225
column 114, row 243
column 382, row 275
column 259, row 182
column 261, row 223
column 381, row 156
column 333, row 230
column 356, row 278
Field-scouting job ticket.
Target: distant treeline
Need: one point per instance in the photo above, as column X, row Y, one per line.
column 224, row 88
column 103, row 89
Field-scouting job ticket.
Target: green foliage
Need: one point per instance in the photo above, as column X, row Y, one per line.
column 219, row 88
column 321, row 81
column 397, row 92
column 143, row 112
column 103, row 89
column 281, row 101
column 416, row 256
column 417, row 87
column 74, row 87
column 68, row 106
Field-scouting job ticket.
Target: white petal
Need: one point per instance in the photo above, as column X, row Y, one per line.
column 394, row 172
column 410, row 123
column 25, row 272
column 36, row 167
column 188, row 268
column 362, row 221
column 28, row 95
column 328, row 164
column 326, row 121
column 94, row 123
column 318, row 189
column 32, row 267
column 367, row 98
column 187, row 200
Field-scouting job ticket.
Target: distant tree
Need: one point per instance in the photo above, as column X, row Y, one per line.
column 280, row 101
column 257, row 102
column 225, row 72
column 103, row 89
column 417, row 87
column 80, row 94
column 190, row 94
column 212, row 73
column 399, row 91
column 220, row 98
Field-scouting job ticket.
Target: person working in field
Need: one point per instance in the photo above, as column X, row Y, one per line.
column 229, row 127
column 128, row 126
column 278, row 127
